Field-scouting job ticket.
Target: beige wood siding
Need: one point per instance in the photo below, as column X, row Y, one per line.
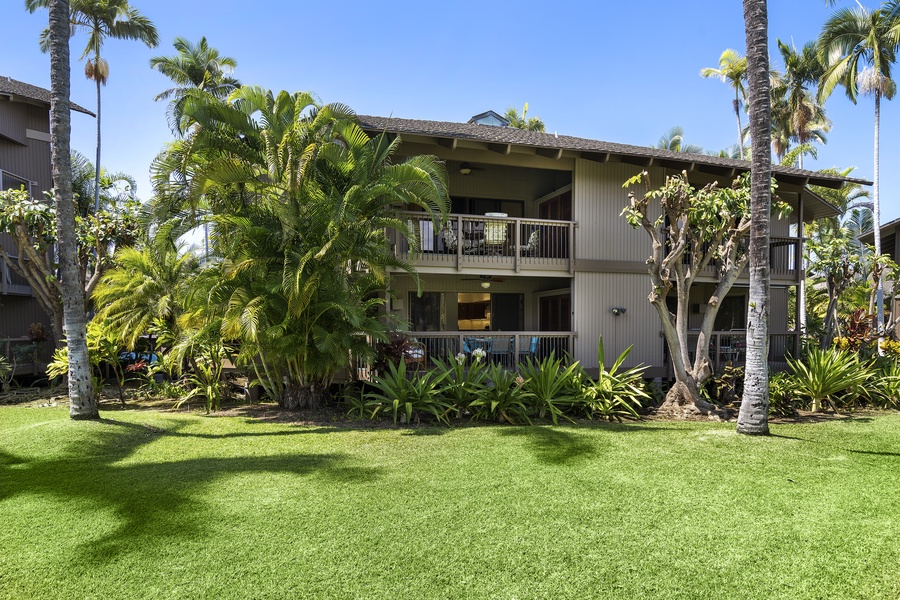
column 597, row 202
column 595, row 294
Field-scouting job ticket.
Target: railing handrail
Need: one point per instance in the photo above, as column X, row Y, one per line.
column 486, row 218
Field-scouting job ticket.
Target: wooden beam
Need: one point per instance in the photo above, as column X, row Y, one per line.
column 554, row 153
column 641, row 161
column 503, row 149
column 600, row 157
column 449, row 143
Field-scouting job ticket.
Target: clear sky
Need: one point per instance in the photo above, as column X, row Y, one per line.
column 613, row 71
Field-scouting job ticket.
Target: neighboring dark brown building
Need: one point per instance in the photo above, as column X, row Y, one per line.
column 24, row 161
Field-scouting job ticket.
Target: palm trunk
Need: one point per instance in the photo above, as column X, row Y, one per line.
column 737, row 113
column 82, row 404
column 753, row 417
column 876, row 210
column 97, row 79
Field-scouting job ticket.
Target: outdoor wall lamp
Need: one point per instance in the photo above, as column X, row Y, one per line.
column 618, row 310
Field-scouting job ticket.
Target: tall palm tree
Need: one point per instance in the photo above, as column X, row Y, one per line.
column 806, row 117
column 101, row 19
column 733, row 71
column 523, row 121
column 82, row 404
column 673, row 140
column 753, row 417
column 858, row 47
column 196, row 66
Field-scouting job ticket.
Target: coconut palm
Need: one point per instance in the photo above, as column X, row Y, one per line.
column 523, row 121
column 82, row 404
column 733, row 71
column 101, row 19
column 673, row 140
column 806, row 118
column 753, row 415
column 198, row 66
column 858, row 47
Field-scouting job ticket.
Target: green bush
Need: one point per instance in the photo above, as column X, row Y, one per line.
column 550, row 385
column 782, row 402
column 884, row 390
column 461, row 384
column 411, row 396
column 615, row 394
column 503, row 399
column 830, row 377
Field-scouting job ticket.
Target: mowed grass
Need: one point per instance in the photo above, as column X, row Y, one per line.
column 159, row 505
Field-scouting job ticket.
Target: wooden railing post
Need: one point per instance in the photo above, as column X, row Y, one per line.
column 571, row 248
column 517, row 240
column 460, row 237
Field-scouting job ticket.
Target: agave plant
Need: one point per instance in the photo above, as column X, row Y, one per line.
column 503, row 399
column 615, row 394
column 463, row 380
column 549, row 383
column 408, row 396
column 885, row 389
column 825, row 375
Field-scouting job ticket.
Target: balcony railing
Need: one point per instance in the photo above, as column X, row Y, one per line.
column 784, row 258
column 493, row 242
column 11, row 282
column 730, row 347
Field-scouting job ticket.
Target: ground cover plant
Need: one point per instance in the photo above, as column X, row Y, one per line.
column 146, row 504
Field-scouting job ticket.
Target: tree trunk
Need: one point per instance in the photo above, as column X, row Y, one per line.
column 297, row 396
column 97, row 78
column 753, row 417
column 737, row 113
column 876, row 216
column 82, row 404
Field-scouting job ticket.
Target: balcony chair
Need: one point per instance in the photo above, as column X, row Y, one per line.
column 531, row 352
column 415, row 354
column 451, row 241
column 534, row 242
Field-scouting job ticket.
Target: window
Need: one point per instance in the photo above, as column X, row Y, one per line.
column 426, row 312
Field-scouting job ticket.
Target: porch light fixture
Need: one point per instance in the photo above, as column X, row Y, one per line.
column 485, row 281
column 465, row 169
column 618, row 310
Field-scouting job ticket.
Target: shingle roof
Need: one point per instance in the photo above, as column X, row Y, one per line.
column 33, row 92
column 520, row 137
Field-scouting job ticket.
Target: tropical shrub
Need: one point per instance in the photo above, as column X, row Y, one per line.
column 503, row 399
column 828, row 377
column 615, row 394
column 549, row 383
column 883, row 391
column 781, row 396
column 408, row 396
column 463, row 380
column 6, row 373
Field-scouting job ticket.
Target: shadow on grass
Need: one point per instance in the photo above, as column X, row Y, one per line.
column 553, row 446
column 835, row 447
column 150, row 499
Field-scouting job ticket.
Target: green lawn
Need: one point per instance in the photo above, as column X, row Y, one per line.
column 150, row 504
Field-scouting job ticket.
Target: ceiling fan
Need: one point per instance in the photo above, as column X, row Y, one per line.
column 467, row 168
column 486, row 280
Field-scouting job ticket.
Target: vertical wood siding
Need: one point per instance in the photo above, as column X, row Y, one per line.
column 595, row 295
column 31, row 161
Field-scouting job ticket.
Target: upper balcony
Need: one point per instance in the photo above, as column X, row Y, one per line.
column 492, row 241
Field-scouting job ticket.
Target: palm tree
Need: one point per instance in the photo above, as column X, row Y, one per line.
column 850, row 39
column 82, row 404
column 196, row 66
column 732, row 70
column 144, row 292
column 673, row 140
column 523, row 121
column 301, row 199
column 753, row 417
column 806, row 117
column 101, row 19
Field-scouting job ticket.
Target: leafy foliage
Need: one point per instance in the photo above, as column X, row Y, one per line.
column 503, row 399
column 406, row 396
column 615, row 394
column 826, row 377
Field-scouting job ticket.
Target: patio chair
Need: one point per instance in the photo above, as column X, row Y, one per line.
column 531, row 352
column 451, row 241
column 534, row 242
column 415, row 354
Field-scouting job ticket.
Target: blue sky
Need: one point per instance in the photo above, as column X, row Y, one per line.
column 612, row 71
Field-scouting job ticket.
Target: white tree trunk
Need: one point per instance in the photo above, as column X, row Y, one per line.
column 876, row 210
column 82, row 404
